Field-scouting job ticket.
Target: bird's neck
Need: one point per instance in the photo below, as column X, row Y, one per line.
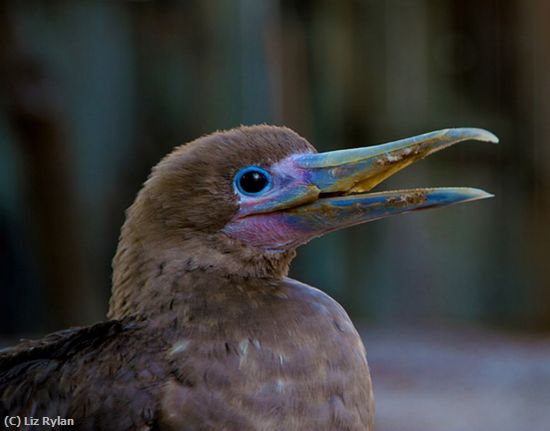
column 152, row 276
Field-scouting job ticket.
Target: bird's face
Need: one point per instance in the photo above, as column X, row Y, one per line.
column 305, row 194
column 267, row 188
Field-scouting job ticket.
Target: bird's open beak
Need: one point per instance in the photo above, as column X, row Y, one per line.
column 343, row 177
column 329, row 190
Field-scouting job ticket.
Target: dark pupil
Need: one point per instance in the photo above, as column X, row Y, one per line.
column 253, row 182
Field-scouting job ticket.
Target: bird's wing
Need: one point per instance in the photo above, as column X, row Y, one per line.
column 93, row 375
column 25, row 367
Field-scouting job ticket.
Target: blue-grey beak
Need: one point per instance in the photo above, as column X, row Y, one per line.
column 344, row 177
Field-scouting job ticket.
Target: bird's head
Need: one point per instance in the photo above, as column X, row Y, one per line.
column 242, row 200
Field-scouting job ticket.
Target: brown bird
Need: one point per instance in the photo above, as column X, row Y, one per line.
column 205, row 331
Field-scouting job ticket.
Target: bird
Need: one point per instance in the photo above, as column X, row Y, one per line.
column 205, row 330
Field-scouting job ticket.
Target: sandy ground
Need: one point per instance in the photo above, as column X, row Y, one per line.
column 457, row 380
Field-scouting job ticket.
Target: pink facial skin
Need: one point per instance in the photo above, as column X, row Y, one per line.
column 290, row 187
column 274, row 231
column 260, row 221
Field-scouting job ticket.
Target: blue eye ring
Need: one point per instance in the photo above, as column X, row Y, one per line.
column 253, row 181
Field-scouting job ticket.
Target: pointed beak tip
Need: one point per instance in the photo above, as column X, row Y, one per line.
column 490, row 137
column 476, row 134
column 477, row 194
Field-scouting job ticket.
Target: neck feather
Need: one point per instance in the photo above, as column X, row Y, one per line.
column 153, row 275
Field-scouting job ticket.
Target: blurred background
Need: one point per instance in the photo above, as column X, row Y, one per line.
column 454, row 304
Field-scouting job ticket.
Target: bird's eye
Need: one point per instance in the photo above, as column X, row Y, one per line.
column 253, row 180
